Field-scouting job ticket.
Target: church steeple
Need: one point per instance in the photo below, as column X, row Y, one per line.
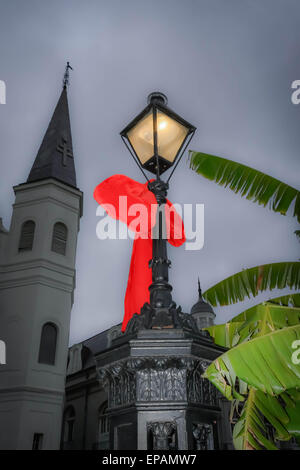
column 55, row 156
column 39, row 252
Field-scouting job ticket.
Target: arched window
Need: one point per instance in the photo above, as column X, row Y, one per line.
column 103, row 419
column 27, row 236
column 59, row 238
column 48, row 344
column 69, row 421
column 103, row 428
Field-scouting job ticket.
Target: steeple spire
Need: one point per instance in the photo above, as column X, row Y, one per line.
column 66, row 75
column 55, row 156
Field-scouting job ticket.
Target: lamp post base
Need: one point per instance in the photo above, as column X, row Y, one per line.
column 157, row 397
column 162, row 318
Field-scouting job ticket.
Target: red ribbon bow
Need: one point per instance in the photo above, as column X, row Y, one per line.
column 107, row 195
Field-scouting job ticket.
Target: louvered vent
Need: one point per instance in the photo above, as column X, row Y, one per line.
column 27, row 236
column 59, row 238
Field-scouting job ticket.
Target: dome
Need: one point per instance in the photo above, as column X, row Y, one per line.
column 202, row 312
column 202, row 307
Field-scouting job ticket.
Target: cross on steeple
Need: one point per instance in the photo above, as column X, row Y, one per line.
column 66, row 75
column 65, row 151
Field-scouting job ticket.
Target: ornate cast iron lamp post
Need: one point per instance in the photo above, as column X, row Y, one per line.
column 157, row 139
column 157, row 398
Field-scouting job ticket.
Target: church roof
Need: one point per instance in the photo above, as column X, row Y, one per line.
column 88, row 349
column 55, row 156
column 97, row 343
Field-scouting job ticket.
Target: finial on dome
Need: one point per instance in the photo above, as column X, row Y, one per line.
column 199, row 289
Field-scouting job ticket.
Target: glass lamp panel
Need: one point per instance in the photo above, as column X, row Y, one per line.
column 170, row 136
column 141, row 138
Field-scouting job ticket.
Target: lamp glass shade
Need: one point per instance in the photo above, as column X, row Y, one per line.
column 141, row 138
column 170, row 136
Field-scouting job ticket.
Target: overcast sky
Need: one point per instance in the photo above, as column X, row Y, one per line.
column 226, row 66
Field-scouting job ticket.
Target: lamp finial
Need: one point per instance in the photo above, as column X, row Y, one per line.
column 157, row 96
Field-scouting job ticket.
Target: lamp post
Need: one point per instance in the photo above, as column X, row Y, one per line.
column 157, row 398
column 157, row 139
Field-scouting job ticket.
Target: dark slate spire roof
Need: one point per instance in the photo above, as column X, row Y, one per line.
column 201, row 305
column 55, row 155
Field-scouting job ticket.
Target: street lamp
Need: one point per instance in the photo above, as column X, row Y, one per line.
column 157, row 139
column 157, row 136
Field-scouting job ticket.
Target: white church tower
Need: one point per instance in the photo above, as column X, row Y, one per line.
column 37, row 280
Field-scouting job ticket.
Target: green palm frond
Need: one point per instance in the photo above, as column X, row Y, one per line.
column 254, row 280
column 282, row 412
column 265, row 363
column 272, row 393
column 250, row 183
column 293, row 411
column 250, row 431
column 254, row 322
column 289, row 300
column 227, row 334
column 267, row 317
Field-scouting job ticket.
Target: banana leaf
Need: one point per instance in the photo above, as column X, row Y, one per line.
column 250, row 183
column 289, row 300
column 267, row 317
column 293, row 411
column 259, row 410
column 264, row 363
column 254, row 322
column 250, row 431
column 283, row 412
column 254, row 280
column 227, row 334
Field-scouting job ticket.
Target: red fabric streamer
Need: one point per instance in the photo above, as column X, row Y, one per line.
column 107, row 194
